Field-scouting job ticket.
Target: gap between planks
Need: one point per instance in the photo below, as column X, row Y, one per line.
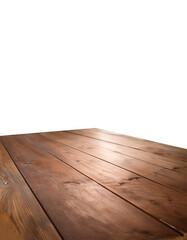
column 130, row 168
column 151, row 158
column 17, row 200
column 118, row 195
column 141, row 147
column 58, row 165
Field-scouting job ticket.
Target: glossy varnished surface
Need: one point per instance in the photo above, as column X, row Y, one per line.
column 91, row 184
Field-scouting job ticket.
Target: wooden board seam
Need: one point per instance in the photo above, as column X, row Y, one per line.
column 160, row 220
column 117, row 143
column 116, row 165
column 32, row 192
column 118, row 134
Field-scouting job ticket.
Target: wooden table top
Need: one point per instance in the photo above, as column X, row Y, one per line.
column 91, row 184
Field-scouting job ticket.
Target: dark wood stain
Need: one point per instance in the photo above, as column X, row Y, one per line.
column 137, row 143
column 21, row 217
column 172, row 164
column 156, row 173
column 91, row 184
column 135, row 189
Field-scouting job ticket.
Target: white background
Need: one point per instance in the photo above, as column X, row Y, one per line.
column 116, row 65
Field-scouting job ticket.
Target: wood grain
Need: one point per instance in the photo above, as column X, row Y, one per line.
column 172, row 164
column 156, row 173
column 137, row 143
column 79, row 207
column 155, row 147
column 21, row 216
column 159, row 201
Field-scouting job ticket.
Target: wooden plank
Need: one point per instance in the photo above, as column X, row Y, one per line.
column 21, row 216
column 159, row 201
column 157, row 148
column 132, row 151
column 86, row 143
column 158, row 174
column 145, row 145
column 79, row 207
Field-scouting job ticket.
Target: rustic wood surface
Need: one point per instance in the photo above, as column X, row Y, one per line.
column 156, row 173
column 169, row 163
column 137, row 143
column 91, row 184
column 21, row 216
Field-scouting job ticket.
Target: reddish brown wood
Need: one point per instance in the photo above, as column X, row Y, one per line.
column 161, row 175
column 172, row 164
column 159, row 201
column 94, row 185
column 137, row 143
column 21, row 217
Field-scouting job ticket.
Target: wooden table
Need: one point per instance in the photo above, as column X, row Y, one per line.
column 91, row 184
